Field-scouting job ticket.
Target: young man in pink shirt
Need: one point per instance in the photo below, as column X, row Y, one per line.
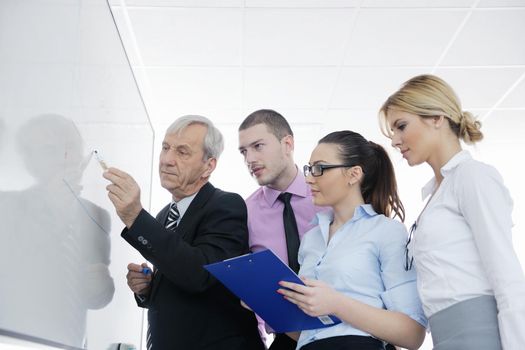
column 266, row 142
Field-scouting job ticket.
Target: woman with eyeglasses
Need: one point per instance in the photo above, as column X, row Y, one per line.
column 352, row 261
column 469, row 278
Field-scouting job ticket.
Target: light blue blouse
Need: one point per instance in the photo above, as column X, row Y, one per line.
column 364, row 260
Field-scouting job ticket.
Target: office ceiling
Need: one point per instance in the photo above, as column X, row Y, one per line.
column 326, row 64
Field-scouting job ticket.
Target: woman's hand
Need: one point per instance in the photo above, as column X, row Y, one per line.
column 315, row 298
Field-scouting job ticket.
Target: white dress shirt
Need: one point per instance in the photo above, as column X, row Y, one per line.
column 462, row 245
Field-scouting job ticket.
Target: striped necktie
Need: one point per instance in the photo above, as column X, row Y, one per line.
column 173, row 216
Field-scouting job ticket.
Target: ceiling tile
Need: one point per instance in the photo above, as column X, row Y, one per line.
column 501, row 3
column 180, row 3
column 516, row 98
column 401, row 37
column 303, row 3
column 192, row 89
column 490, row 37
column 295, row 37
column 181, row 36
column 480, row 87
column 504, row 126
column 280, row 88
column 417, row 3
column 367, row 88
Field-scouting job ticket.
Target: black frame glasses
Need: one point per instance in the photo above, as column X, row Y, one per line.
column 318, row 169
column 409, row 259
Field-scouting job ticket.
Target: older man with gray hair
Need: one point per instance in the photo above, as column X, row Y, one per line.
column 188, row 308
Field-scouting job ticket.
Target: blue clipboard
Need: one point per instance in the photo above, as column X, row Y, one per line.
column 254, row 278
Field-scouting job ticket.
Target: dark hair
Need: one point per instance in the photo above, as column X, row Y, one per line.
column 275, row 122
column 378, row 187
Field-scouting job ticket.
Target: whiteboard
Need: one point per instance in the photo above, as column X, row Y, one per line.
column 66, row 88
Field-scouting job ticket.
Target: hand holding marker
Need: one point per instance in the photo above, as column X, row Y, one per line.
column 145, row 270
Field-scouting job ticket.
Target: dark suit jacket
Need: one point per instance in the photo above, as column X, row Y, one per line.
column 188, row 308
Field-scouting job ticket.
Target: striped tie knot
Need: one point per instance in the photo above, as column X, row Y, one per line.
column 173, row 216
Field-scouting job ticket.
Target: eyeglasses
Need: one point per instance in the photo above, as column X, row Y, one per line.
column 318, row 169
column 409, row 258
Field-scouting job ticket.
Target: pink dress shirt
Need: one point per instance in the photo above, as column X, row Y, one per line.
column 265, row 216
column 265, row 221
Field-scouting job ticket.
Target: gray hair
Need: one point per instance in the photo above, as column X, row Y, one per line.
column 213, row 140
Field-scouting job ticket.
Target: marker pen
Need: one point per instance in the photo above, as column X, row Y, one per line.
column 146, row 270
column 100, row 160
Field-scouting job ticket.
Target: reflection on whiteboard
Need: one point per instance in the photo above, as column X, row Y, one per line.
column 55, row 244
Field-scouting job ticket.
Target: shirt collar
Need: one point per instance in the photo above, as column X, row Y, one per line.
column 458, row 158
column 445, row 170
column 298, row 187
column 184, row 204
column 327, row 216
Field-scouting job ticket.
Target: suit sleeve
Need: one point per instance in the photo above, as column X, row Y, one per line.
column 219, row 232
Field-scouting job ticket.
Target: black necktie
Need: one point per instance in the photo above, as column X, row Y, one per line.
column 173, row 216
column 290, row 230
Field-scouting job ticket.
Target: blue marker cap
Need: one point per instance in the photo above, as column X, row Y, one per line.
column 146, row 270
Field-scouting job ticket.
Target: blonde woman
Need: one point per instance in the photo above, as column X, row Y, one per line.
column 469, row 278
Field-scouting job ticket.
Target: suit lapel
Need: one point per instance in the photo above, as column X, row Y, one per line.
column 190, row 219
column 186, row 226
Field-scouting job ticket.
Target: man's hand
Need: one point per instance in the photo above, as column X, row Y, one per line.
column 124, row 193
column 138, row 281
